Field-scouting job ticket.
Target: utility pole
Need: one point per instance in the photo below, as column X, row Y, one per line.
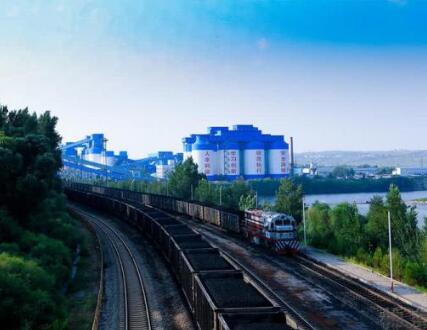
column 220, row 195
column 389, row 247
column 303, row 221
column 167, row 187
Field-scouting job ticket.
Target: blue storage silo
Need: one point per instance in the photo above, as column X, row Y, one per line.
column 231, row 160
column 242, row 150
column 205, row 156
column 187, row 146
column 278, row 158
column 254, row 160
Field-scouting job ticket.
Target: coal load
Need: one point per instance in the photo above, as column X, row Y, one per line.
column 168, row 221
column 208, row 260
column 179, row 230
column 254, row 321
column 233, row 291
column 155, row 214
column 191, row 242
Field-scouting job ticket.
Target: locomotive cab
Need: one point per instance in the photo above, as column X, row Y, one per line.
column 279, row 226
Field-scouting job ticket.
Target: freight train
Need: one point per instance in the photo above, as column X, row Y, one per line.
column 272, row 230
column 219, row 294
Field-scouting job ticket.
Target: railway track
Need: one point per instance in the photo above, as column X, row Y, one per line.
column 401, row 315
column 135, row 308
column 293, row 317
column 362, row 301
column 388, row 312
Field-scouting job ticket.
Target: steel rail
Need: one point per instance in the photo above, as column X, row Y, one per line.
column 114, row 239
column 381, row 300
column 394, row 315
column 296, row 319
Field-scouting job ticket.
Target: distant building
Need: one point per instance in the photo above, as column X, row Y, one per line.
column 166, row 162
column 242, row 151
column 410, row 171
column 89, row 158
column 366, row 171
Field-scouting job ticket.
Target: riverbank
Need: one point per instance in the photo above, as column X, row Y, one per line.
column 320, row 185
column 361, row 200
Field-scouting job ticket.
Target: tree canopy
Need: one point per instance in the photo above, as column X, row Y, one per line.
column 36, row 233
column 342, row 230
column 289, row 199
column 184, row 179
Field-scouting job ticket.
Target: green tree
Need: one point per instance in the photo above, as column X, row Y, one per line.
column 289, row 199
column 184, row 178
column 26, row 300
column 342, row 172
column 423, row 253
column 377, row 227
column 404, row 223
column 36, row 231
column 205, row 192
column 247, row 202
column 319, row 232
column 347, row 228
column 232, row 193
column 425, row 226
column 415, row 273
column 377, row 258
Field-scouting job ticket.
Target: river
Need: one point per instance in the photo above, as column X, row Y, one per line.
column 361, row 199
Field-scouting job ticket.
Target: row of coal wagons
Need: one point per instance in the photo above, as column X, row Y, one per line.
column 212, row 285
column 220, row 296
column 225, row 219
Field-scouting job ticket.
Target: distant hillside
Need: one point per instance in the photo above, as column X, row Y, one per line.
column 402, row 158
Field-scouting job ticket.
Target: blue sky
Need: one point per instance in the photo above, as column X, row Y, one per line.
column 336, row 75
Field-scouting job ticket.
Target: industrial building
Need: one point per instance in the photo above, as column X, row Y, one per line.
column 166, row 162
column 242, row 151
column 89, row 158
column 410, row 171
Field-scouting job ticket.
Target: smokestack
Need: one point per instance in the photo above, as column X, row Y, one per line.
column 292, row 156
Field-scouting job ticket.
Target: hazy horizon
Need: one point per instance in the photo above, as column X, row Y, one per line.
column 334, row 75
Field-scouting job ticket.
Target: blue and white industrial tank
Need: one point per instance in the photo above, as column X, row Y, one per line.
column 95, row 151
column 242, row 151
column 110, row 159
column 254, row 155
column 205, row 156
column 187, row 147
column 278, row 158
column 231, row 152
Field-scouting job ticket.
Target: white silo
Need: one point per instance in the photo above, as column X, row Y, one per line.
column 220, row 157
column 187, row 147
column 205, row 156
column 231, row 160
column 254, row 160
column 278, row 159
